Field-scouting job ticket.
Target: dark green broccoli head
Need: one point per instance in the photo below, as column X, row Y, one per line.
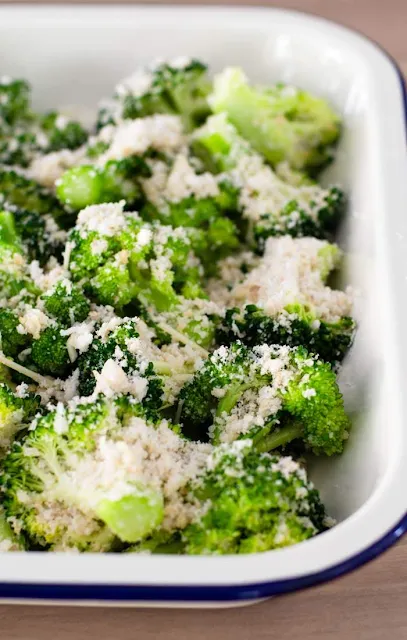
column 14, row 100
column 319, row 219
column 66, row 303
column 49, row 352
column 120, row 346
column 26, row 194
column 88, row 251
column 295, row 327
column 12, row 341
column 172, row 88
column 62, row 133
column 218, row 385
column 253, row 503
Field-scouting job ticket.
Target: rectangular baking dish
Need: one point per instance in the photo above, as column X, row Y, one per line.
column 74, row 56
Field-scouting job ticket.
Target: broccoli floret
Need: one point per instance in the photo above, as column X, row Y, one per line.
column 136, row 260
column 12, row 342
column 272, row 203
column 56, row 491
column 117, row 180
column 312, row 397
column 40, row 235
column 62, row 133
column 168, row 87
column 15, row 412
column 121, row 346
column 14, row 277
column 249, row 392
column 282, row 123
column 49, row 352
column 256, row 502
column 14, row 100
column 285, row 300
column 26, row 194
column 9, row 541
column 66, row 303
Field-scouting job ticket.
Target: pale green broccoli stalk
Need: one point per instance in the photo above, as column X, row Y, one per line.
column 250, row 393
column 119, row 258
column 175, row 87
column 281, row 122
column 50, row 495
column 272, row 203
column 16, row 411
column 117, row 180
column 285, row 300
column 255, row 502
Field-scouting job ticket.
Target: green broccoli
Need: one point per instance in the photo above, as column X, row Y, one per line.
column 66, row 303
column 62, row 133
column 123, row 346
column 272, row 203
column 176, row 87
column 285, row 300
column 50, row 353
column 9, row 541
column 251, row 393
column 55, row 488
column 14, row 101
column 117, row 180
column 20, row 192
column 281, row 122
column 14, row 276
column 255, row 502
column 12, row 341
column 132, row 259
column 16, row 411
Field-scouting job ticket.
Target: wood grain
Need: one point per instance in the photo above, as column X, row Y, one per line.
column 370, row 604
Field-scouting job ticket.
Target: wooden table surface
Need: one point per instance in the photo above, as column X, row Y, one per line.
column 370, row 604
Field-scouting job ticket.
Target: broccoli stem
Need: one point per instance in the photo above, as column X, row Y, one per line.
column 37, row 377
column 280, row 437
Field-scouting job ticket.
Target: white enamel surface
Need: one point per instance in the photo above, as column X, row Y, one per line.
column 74, row 56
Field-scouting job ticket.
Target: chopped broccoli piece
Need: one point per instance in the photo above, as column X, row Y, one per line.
column 48, row 491
column 117, row 180
column 66, row 303
column 284, row 300
column 15, row 412
column 49, row 352
column 253, row 504
column 271, row 203
column 247, row 393
column 167, row 88
column 62, row 133
column 282, row 123
column 14, row 277
column 12, row 342
column 8, row 233
column 14, row 100
column 26, row 194
column 117, row 346
column 147, row 261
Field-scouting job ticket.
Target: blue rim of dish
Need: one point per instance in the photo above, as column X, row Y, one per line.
column 217, row 593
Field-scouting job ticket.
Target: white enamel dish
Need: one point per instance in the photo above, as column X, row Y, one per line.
column 74, row 56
